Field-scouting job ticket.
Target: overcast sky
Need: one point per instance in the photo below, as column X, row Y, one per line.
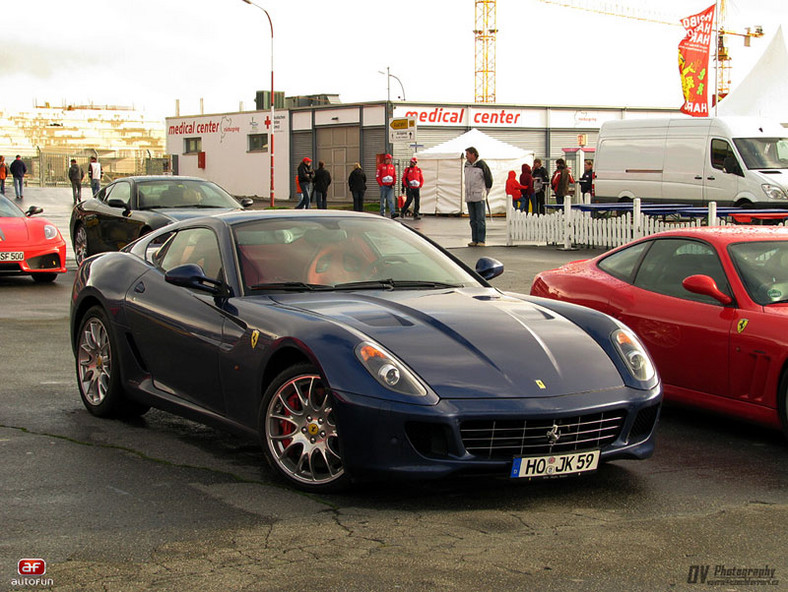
column 148, row 53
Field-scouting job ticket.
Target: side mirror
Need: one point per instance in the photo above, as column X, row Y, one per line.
column 114, row 202
column 489, row 268
column 33, row 210
column 247, row 202
column 190, row 275
column 704, row 285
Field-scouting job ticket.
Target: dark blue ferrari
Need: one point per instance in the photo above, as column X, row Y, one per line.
column 354, row 347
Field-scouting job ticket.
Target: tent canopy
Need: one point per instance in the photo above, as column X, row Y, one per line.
column 764, row 91
column 443, row 167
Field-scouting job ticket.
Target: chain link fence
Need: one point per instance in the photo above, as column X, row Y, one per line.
column 50, row 169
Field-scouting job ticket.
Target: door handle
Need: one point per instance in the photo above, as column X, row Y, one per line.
column 139, row 288
column 710, row 178
column 698, row 177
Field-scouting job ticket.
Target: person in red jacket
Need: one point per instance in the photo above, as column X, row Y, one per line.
column 386, row 176
column 514, row 189
column 412, row 180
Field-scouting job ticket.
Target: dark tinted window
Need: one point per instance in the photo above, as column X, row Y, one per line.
column 670, row 261
column 622, row 264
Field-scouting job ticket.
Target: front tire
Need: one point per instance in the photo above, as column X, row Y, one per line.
column 98, row 372
column 80, row 244
column 299, row 432
column 782, row 402
column 44, row 278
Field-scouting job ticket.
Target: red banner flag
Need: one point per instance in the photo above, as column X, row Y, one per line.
column 694, row 62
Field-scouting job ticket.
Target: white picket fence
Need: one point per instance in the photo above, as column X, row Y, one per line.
column 572, row 227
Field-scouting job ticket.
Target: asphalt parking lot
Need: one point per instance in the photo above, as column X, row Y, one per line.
column 162, row 503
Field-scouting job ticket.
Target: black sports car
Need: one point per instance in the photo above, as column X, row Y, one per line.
column 353, row 347
column 133, row 206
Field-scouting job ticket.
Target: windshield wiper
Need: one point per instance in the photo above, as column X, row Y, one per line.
column 391, row 284
column 290, row 286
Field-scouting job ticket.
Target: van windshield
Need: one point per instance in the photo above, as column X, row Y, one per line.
column 763, row 153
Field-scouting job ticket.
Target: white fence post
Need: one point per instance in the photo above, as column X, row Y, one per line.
column 637, row 219
column 567, row 222
column 712, row 213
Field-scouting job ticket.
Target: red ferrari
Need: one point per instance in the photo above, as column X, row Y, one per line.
column 28, row 245
column 711, row 306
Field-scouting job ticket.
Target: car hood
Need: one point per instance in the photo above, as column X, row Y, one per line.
column 470, row 343
column 178, row 214
column 14, row 231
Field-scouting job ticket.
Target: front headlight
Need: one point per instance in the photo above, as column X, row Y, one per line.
column 389, row 371
column 634, row 354
column 774, row 191
column 50, row 232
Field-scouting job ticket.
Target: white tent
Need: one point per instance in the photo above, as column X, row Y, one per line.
column 764, row 91
column 444, row 183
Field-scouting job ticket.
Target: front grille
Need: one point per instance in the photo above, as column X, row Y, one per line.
column 507, row 438
column 49, row 261
column 644, row 423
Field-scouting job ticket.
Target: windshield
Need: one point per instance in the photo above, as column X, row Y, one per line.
column 9, row 209
column 763, row 269
column 182, row 193
column 763, row 153
column 362, row 253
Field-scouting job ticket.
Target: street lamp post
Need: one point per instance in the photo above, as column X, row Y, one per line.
column 271, row 128
column 389, row 76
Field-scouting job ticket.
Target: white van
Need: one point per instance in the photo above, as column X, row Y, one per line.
column 730, row 160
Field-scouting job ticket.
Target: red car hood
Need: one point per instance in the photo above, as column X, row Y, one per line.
column 15, row 231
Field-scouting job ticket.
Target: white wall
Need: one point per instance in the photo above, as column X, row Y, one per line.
column 227, row 159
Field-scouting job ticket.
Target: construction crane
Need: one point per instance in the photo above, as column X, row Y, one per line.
column 723, row 59
column 484, row 33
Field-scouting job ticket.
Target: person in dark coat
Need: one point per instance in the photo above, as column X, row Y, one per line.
column 75, row 175
column 18, row 170
column 357, row 182
column 562, row 179
column 527, row 182
column 587, row 179
column 305, row 178
column 540, row 180
column 322, row 181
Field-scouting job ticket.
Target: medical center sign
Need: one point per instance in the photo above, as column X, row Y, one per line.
column 455, row 116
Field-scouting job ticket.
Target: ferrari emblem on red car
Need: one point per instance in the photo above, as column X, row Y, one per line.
column 742, row 325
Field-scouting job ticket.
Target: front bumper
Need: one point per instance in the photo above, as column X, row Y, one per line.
column 49, row 258
column 482, row 436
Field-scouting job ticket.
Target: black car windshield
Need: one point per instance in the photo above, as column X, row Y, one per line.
column 763, row 269
column 359, row 252
column 182, row 193
column 763, row 153
column 9, row 209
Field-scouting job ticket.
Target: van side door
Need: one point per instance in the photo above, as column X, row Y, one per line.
column 721, row 173
column 682, row 176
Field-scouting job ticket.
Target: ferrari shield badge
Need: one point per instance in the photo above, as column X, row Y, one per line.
column 742, row 325
column 540, row 384
column 255, row 337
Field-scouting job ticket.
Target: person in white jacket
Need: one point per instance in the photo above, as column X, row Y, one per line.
column 478, row 181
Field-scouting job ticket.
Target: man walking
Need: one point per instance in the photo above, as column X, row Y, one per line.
column 94, row 172
column 305, row 178
column 478, row 181
column 386, row 176
column 412, row 180
column 18, row 171
column 75, row 175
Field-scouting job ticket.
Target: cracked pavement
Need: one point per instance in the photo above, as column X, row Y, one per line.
column 162, row 503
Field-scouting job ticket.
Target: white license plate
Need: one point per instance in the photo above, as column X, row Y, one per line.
column 12, row 256
column 555, row 464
